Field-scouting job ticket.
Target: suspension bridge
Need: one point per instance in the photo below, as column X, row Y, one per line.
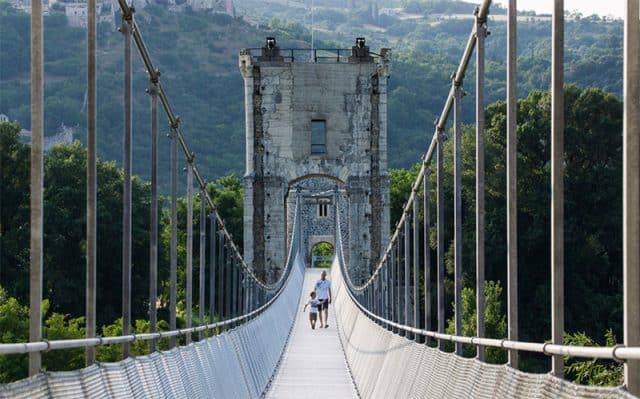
column 380, row 341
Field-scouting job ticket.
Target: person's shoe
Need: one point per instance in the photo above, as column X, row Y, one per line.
column 313, row 327
column 326, row 326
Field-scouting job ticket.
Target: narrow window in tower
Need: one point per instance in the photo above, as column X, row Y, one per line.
column 323, row 210
column 318, row 137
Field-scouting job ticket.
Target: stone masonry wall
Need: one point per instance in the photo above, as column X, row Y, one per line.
column 281, row 100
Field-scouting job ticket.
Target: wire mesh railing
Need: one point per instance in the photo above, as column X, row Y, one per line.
column 398, row 292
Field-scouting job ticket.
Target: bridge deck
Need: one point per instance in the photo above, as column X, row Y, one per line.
column 313, row 365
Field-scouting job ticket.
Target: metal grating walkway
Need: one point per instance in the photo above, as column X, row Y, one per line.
column 313, row 365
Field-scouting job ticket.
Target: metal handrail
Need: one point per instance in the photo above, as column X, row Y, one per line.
column 289, row 54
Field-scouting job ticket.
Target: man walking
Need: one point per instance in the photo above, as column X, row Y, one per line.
column 323, row 292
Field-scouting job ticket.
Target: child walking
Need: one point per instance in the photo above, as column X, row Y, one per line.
column 313, row 304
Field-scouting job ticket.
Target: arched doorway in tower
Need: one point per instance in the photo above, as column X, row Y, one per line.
column 319, row 200
column 322, row 254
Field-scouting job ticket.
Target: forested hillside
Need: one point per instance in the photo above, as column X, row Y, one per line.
column 197, row 55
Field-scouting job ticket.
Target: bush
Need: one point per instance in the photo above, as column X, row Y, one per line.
column 594, row 371
column 495, row 320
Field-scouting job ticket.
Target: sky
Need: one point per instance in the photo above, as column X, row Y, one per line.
column 586, row 7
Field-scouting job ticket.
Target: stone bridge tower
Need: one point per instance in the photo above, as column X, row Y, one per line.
column 316, row 124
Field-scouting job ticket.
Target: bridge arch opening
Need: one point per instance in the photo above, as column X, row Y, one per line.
column 322, row 254
column 321, row 196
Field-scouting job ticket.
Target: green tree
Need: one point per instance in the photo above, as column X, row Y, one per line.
column 114, row 353
column 400, row 183
column 322, row 249
column 64, row 234
column 63, row 326
column 228, row 196
column 14, row 211
column 594, row 371
column 14, row 327
column 494, row 319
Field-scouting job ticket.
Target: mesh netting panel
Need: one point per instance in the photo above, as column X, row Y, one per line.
column 387, row 365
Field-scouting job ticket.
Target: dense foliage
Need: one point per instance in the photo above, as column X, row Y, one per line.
column 592, row 371
column 494, row 319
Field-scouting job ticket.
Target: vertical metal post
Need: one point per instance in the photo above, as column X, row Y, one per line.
column 557, row 185
column 221, row 267
column 248, row 292
column 398, row 278
column 243, row 292
column 372, row 297
column 37, row 178
column 385, row 289
column 392, row 283
column 153, row 220
column 631, row 198
column 241, row 297
column 481, row 34
column 227, row 286
column 374, row 300
column 126, row 194
column 92, row 186
column 378, row 290
column 512, row 190
column 174, row 235
column 189, row 271
column 407, row 266
column 234, row 287
column 416, row 260
column 427, row 254
column 247, row 287
column 212, row 269
column 203, row 263
column 255, row 295
column 440, row 227
column 457, row 212
column 381, row 292
column 250, row 295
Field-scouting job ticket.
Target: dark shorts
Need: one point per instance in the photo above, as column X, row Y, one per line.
column 313, row 316
column 324, row 304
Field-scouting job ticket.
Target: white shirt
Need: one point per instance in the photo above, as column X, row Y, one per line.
column 313, row 305
column 322, row 289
